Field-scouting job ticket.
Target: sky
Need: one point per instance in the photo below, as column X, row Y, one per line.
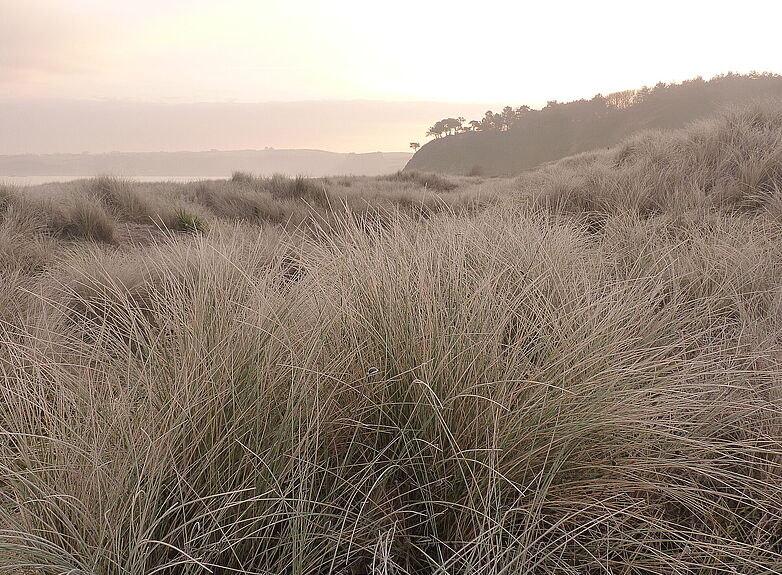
column 477, row 54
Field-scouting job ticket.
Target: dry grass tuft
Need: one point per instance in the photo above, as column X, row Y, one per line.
column 242, row 203
column 428, row 181
column 299, row 188
column 243, row 178
column 82, row 218
column 121, row 197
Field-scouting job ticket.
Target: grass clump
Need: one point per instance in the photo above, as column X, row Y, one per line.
column 121, row 197
column 189, row 223
column 74, row 216
column 22, row 251
column 243, row 178
column 283, row 188
column 228, row 201
column 7, row 194
column 82, row 218
column 429, row 181
column 298, row 188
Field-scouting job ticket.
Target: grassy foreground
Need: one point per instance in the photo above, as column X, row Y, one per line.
column 573, row 372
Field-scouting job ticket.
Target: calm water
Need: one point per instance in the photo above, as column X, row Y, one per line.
column 36, row 180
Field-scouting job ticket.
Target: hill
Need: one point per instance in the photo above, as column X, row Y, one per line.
column 208, row 164
column 518, row 139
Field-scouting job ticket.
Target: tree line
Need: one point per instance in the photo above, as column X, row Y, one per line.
column 685, row 94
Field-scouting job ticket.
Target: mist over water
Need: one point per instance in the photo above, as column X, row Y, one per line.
column 38, row 180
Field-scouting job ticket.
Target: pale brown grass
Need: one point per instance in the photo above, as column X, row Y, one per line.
column 540, row 375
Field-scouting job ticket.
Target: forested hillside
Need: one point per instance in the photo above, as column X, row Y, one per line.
column 516, row 139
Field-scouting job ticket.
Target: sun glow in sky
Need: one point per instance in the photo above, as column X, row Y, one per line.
column 407, row 50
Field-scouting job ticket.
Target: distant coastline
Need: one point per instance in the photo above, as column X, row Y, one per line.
column 186, row 166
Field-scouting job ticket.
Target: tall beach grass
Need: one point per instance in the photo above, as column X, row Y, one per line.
column 575, row 371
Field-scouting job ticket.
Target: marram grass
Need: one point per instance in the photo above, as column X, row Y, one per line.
column 514, row 388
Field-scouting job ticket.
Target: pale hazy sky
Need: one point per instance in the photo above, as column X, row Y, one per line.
column 184, row 51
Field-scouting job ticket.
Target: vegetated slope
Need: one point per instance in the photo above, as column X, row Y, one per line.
column 207, row 164
column 562, row 129
column 580, row 376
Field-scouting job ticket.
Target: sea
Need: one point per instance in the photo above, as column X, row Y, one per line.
column 38, row 180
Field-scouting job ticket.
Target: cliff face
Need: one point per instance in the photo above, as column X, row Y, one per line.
column 559, row 130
